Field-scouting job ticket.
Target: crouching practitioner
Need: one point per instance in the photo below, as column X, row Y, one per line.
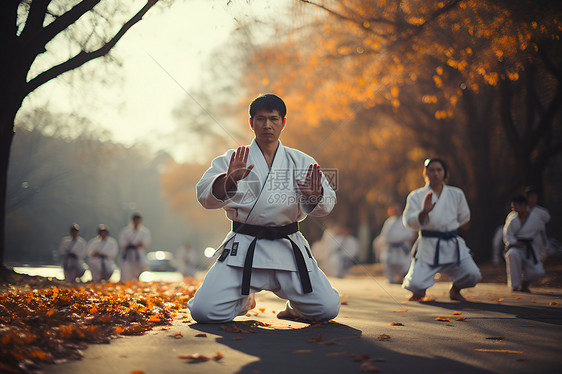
column 437, row 211
column 265, row 196
column 72, row 250
column 102, row 250
column 522, row 238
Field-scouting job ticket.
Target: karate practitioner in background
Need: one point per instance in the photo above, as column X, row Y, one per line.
column 102, row 250
column 544, row 246
column 522, row 237
column 265, row 189
column 134, row 239
column 396, row 240
column 72, row 250
column 341, row 252
column 437, row 211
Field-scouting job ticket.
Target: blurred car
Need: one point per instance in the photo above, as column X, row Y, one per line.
column 160, row 261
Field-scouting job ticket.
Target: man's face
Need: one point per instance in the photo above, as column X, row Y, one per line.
column 103, row 234
column 267, row 125
column 74, row 234
column 434, row 173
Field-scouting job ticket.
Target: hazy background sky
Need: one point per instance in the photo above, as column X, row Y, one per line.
column 162, row 57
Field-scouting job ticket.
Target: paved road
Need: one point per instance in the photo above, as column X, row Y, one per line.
column 504, row 332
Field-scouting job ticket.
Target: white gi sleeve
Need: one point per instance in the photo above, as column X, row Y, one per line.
column 204, row 188
column 463, row 215
column 509, row 231
column 412, row 211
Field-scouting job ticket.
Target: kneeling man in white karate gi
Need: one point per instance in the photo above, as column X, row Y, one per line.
column 266, row 189
column 437, row 211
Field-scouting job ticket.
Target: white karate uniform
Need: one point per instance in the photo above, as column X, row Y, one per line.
column 342, row 255
column 72, row 252
column 266, row 197
column 543, row 245
column 396, row 240
column 133, row 262
column 102, row 253
column 449, row 213
column 521, row 265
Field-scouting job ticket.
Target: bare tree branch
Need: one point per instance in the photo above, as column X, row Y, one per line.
column 35, row 19
column 83, row 57
column 61, row 23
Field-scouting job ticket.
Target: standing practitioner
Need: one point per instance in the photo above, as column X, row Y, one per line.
column 134, row 239
column 265, row 189
column 522, row 236
column 72, row 250
column 102, row 250
column 396, row 240
column 437, row 211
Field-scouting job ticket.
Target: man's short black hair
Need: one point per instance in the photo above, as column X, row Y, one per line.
column 268, row 102
column 518, row 199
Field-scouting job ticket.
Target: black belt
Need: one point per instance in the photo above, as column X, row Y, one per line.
column 103, row 268
column 67, row 257
column 528, row 248
column 131, row 248
column 445, row 235
column 270, row 233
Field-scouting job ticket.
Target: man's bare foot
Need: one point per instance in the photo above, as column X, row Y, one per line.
column 285, row 314
column 455, row 294
column 417, row 296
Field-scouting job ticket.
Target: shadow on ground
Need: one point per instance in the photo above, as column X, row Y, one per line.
column 329, row 348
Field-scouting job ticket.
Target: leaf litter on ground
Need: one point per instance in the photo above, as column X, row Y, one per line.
column 54, row 324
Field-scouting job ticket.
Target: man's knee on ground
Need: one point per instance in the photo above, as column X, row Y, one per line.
column 202, row 312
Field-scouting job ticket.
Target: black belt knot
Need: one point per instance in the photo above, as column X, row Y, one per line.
column 445, row 235
column 270, row 233
column 528, row 248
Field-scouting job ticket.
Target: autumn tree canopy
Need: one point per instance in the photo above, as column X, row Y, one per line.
column 374, row 87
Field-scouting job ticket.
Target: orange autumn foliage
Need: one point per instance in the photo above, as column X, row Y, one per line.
column 54, row 324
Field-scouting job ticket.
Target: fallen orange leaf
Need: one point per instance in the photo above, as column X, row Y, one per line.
column 343, row 303
column 383, row 337
column 396, row 324
column 261, row 310
column 177, row 335
column 442, row 319
column 301, row 351
column 553, row 303
column 461, row 319
column 196, row 357
column 457, row 313
column 367, row 367
column 218, row 356
column 316, row 339
column 202, row 335
column 498, row 350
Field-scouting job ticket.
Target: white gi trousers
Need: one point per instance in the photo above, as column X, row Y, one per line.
column 219, row 299
column 420, row 277
column 520, row 268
